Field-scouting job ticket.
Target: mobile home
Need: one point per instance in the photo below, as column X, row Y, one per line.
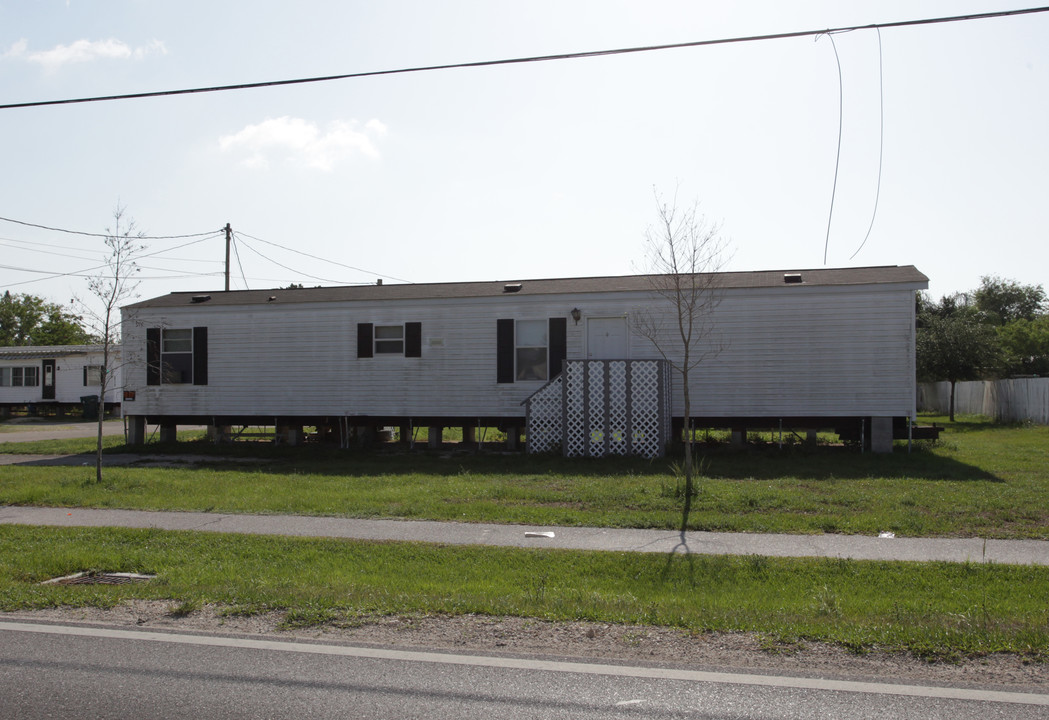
column 55, row 378
column 825, row 348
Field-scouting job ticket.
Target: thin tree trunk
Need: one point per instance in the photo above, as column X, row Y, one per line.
column 688, row 452
column 952, row 401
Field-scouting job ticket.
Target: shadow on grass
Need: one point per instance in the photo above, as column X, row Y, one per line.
column 755, row 462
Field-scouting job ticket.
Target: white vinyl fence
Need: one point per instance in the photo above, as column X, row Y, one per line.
column 1025, row 400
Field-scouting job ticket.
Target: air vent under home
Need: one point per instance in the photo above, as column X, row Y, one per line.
column 200, row 298
column 792, row 278
column 512, row 287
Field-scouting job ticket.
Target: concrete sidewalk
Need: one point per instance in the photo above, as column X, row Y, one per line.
column 1012, row 552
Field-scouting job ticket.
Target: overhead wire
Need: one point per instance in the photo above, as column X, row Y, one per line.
column 837, row 158
column 236, row 252
column 104, row 235
column 87, row 272
column 881, row 145
column 289, row 269
column 327, row 260
column 531, row 59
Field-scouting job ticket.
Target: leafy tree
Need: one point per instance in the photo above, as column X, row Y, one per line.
column 1025, row 346
column 956, row 305
column 955, row 348
column 1000, row 301
column 31, row 320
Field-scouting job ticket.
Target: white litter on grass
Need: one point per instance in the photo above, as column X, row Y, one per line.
column 539, row 534
column 887, row 534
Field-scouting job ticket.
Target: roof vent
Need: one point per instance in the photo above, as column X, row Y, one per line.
column 792, row 278
column 512, row 287
column 200, row 298
column 271, row 298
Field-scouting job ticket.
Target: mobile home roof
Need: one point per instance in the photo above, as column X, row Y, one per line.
column 888, row 274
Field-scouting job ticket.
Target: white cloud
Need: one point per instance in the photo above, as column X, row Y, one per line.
column 17, row 50
column 302, row 142
column 84, row 51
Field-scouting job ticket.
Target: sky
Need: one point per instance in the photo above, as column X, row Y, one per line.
column 520, row 171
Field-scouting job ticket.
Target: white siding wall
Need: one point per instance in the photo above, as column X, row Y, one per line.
column 789, row 351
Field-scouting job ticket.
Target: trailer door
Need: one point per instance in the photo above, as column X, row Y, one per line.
column 47, row 383
column 607, row 338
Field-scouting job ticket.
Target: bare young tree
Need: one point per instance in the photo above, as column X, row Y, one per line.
column 114, row 285
column 683, row 255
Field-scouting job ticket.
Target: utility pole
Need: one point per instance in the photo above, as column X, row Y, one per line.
column 229, row 236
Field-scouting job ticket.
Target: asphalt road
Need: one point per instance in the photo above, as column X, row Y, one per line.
column 45, row 430
column 77, row 671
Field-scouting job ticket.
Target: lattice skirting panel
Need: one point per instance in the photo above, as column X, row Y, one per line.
column 603, row 407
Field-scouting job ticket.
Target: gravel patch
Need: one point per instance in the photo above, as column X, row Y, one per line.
column 658, row 646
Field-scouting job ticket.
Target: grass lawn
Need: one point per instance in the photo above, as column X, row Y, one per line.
column 979, row 480
column 934, row 610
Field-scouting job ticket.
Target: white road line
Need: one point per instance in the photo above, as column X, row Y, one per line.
column 948, row 693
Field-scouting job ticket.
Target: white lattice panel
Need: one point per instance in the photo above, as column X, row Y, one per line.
column 544, row 419
column 575, row 409
column 644, row 409
column 596, row 408
column 601, row 407
column 618, row 427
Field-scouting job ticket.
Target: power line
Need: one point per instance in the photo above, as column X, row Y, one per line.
column 102, row 235
column 239, row 264
column 327, row 260
column 293, row 270
column 837, row 160
column 881, row 146
column 532, row 59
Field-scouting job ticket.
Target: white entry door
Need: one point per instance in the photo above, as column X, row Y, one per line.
column 607, row 339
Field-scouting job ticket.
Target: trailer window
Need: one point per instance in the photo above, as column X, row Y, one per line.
column 176, row 356
column 531, row 345
column 389, row 339
column 19, row 376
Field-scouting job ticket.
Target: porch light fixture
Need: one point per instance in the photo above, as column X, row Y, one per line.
column 576, row 314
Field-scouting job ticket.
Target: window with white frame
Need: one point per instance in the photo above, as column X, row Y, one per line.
column 389, row 339
column 92, row 375
column 20, row 376
column 176, row 356
column 531, row 346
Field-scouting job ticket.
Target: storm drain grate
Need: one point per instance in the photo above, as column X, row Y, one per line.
column 99, row 578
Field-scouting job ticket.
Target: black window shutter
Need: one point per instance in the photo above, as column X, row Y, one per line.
column 413, row 339
column 504, row 342
column 558, row 338
column 364, row 340
column 152, row 356
column 200, row 356
column 85, row 376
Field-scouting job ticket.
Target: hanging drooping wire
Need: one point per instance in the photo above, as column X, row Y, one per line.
column 881, row 143
column 236, row 252
column 837, row 159
column 292, row 270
